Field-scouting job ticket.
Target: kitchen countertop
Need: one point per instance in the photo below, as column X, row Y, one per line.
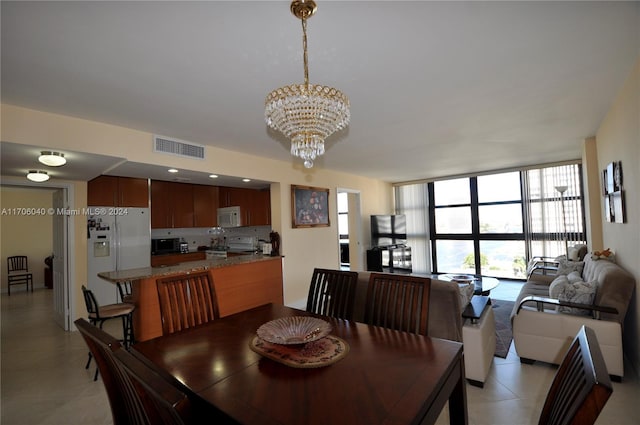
column 186, row 267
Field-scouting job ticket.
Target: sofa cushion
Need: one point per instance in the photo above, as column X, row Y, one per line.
column 568, row 266
column 557, row 286
column 578, row 292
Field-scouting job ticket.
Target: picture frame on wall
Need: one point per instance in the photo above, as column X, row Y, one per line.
column 610, row 175
column 309, row 206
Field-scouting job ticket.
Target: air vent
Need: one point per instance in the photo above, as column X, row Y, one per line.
column 177, row 147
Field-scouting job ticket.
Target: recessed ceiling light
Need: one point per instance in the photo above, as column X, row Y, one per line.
column 172, row 170
column 52, row 159
column 38, row 176
column 246, row 180
column 213, row 176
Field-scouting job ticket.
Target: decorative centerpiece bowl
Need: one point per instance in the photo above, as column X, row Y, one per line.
column 461, row 278
column 294, row 330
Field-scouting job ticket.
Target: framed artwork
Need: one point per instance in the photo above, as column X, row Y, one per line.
column 610, row 175
column 309, row 206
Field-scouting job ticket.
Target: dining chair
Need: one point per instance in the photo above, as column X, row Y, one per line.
column 186, row 301
column 137, row 394
column 18, row 272
column 397, row 301
column 581, row 386
column 99, row 314
column 124, row 289
column 332, row 293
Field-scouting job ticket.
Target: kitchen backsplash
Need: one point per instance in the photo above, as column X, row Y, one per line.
column 201, row 236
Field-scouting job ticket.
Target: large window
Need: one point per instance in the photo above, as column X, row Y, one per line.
column 492, row 224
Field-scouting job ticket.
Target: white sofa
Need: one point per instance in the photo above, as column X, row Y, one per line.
column 446, row 321
column 542, row 333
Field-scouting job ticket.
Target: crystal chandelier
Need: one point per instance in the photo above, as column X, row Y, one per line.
column 306, row 113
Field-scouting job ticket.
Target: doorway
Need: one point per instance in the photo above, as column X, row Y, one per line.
column 64, row 253
column 349, row 229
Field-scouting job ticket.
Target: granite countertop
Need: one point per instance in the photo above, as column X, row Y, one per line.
column 186, row 267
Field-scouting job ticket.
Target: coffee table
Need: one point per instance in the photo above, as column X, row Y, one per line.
column 483, row 284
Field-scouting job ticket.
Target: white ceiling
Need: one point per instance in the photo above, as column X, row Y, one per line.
column 436, row 88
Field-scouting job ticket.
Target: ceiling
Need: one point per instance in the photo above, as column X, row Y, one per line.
column 436, row 88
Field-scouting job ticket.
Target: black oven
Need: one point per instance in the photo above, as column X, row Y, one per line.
column 165, row 246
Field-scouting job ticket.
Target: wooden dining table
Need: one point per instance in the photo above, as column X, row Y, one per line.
column 387, row 377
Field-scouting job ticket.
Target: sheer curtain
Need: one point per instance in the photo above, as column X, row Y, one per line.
column 412, row 200
column 553, row 220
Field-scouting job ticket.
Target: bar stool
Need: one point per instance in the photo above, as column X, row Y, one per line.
column 99, row 314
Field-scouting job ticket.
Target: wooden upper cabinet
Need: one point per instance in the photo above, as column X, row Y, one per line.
column 133, row 192
column 171, row 205
column 234, row 196
column 112, row 191
column 181, row 204
column 205, row 205
column 259, row 210
column 161, row 217
column 255, row 205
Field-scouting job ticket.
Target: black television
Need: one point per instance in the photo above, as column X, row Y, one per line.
column 388, row 230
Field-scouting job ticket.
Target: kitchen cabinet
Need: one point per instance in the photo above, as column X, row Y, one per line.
column 114, row 191
column 171, row 204
column 259, row 208
column 255, row 205
column 205, row 205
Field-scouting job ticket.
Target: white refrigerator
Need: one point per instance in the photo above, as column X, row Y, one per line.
column 118, row 239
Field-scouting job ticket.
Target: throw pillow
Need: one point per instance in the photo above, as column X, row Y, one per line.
column 567, row 266
column 466, row 292
column 574, row 277
column 580, row 293
column 557, row 286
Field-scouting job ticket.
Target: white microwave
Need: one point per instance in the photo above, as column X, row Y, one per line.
column 229, row 217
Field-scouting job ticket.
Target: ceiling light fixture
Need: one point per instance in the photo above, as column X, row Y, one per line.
column 306, row 113
column 38, row 176
column 172, row 170
column 213, row 176
column 52, row 159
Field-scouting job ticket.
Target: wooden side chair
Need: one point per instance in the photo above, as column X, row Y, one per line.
column 332, row 293
column 99, row 314
column 137, row 395
column 18, row 272
column 581, row 386
column 186, row 301
column 399, row 302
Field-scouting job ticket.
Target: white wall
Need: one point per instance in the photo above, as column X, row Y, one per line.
column 618, row 139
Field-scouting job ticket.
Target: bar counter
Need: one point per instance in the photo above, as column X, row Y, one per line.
column 241, row 282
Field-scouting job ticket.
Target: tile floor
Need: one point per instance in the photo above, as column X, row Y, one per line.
column 43, row 379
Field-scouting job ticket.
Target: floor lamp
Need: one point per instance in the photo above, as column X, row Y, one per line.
column 562, row 190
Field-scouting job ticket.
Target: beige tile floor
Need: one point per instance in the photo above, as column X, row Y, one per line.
column 43, row 379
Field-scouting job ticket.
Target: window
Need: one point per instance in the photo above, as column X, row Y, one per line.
column 492, row 224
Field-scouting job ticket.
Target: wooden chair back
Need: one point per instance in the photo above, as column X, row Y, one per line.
column 137, row 395
column 332, row 293
column 17, row 263
column 581, row 386
column 161, row 402
column 102, row 345
column 399, row 302
column 186, row 301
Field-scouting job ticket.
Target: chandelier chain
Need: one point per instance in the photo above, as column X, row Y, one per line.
column 304, row 49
